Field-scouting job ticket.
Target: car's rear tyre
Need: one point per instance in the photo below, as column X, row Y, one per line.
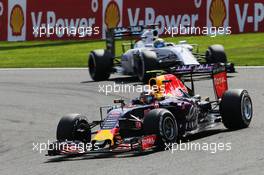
column 73, row 127
column 100, row 64
column 215, row 54
column 162, row 123
column 236, row 109
column 147, row 62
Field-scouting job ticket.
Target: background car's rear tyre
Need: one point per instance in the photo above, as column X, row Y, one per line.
column 147, row 62
column 73, row 127
column 236, row 109
column 162, row 123
column 100, row 64
column 215, row 54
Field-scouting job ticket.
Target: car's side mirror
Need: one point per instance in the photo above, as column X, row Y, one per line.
column 121, row 101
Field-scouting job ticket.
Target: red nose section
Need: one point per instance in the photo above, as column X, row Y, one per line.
column 174, row 86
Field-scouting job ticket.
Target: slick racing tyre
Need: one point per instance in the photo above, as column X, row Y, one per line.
column 74, row 127
column 162, row 123
column 236, row 109
column 215, row 54
column 100, row 63
column 147, row 62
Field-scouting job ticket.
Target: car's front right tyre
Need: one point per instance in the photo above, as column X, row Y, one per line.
column 215, row 54
column 147, row 62
column 163, row 124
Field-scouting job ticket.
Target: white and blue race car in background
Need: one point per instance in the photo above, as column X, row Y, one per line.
column 142, row 57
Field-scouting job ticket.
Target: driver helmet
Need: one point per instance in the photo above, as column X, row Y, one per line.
column 149, row 36
column 158, row 43
column 147, row 97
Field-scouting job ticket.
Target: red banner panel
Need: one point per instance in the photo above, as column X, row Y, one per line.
column 247, row 16
column 167, row 13
column 65, row 19
column 88, row 19
column 3, row 20
column 228, row 15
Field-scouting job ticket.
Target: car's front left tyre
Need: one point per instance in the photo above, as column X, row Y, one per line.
column 100, row 64
column 73, row 127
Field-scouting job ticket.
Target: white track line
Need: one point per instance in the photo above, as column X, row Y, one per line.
column 77, row 68
column 249, row 67
column 22, row 69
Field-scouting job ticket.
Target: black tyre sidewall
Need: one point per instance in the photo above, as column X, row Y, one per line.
column 100, row 63
column 145, row 63
column 141, row 72
column 67, row 128
column 231, row 109
column 215, row 54
column 153, row 124
column 163, row 117
column 246, row 121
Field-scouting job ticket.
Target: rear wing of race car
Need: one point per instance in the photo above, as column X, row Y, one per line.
column 216, row 72
column 122, row 33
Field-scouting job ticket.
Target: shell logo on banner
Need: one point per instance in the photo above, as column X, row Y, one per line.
column 17, row 20
column 112, row 14
column 217, row 13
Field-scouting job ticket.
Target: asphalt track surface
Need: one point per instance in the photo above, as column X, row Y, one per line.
column 32, row 102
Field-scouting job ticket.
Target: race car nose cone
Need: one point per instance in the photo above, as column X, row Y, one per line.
column 103, row 135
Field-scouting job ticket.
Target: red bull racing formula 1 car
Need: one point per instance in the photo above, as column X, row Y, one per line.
column 164, row 115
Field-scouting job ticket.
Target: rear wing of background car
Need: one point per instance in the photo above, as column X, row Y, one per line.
column 124, row 33
column 216, row 72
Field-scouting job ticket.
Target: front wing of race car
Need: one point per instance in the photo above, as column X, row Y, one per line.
column 132, row 144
